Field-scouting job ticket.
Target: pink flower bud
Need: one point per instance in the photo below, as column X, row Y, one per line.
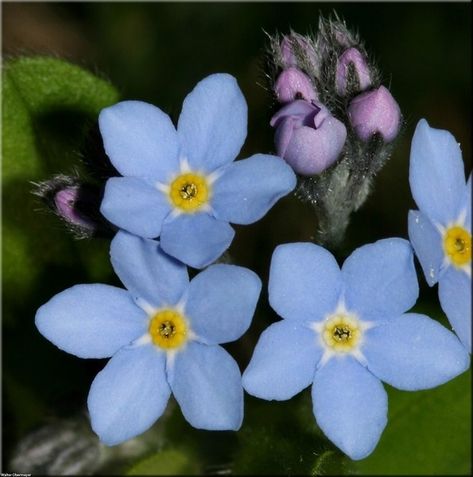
column 288, row 57
column 308, row 137
column 288, row 45
column 375, row 111
column 65, row 201
column 352, row 57
column 293, row 84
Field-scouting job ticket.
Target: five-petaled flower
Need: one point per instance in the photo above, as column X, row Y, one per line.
column 440, row 231
column 163, row 334
column 182, row 185
column 344, row 331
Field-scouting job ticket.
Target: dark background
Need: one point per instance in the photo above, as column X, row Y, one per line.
column 157, row 52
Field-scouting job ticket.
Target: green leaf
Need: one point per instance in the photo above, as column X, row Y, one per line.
column 49, row 106
column 428, row 432
column 166, row 462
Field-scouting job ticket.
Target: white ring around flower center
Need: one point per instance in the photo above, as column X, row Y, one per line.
column 341, row 333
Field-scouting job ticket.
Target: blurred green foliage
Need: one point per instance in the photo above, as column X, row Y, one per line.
column 49, row 106
column 43, row 98
column 156, row 52
column 166, row 462
column 428, row 433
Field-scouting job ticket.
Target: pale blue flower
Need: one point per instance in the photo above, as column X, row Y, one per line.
column 182, row 185
column 344, row 331
column 440, row 231
column 162, row 334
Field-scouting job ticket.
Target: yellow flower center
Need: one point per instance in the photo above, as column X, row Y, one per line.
column 457, row 245
column 168, row 329
column 189, row 192
column 341, row 332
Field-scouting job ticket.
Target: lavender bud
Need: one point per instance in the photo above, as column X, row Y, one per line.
column 308, row 137
column 65, row 201
column 352, row 72
column 375, row 111
column 293, row 44
column 293, row 84
column 75, row 202
column 287, row 53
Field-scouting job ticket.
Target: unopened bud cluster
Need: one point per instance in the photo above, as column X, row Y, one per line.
column 335, row 122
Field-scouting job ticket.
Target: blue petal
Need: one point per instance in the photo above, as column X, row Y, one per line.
column 196, row 239
column 380, row 278
column 413, row 352
column 140, row 140
column 146, row 271
column 206, row 382
column 212, row 125
column 436, row 173
column 350, row 405
column 129, row 394
column 455, row 299
column 304, row 282
column 239, row 199
column 427, row 243
column 465, row 205
column 91, row 321
column 283, row 363
column 221, row 302
column 135, row 206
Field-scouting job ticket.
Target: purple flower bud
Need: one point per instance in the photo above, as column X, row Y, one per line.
column 65, row 201
column 287, row 50
column 308, row 137
column 373, row 112
column 293, row 84
column 352, row 59
column 287, row 53
column 76, row 202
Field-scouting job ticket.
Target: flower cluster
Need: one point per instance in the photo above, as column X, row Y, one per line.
column 163, row 332
column 336, row 124
column 343, row 331
column 325, row 85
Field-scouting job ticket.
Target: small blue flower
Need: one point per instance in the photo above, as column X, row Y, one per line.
column 344, row 331
column 163, row 334
column 440, row 231
column 182, row 185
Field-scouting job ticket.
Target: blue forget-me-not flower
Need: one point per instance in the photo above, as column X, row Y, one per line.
column 182, row 185
column 440, row 231
column 344, row 331
column 163, row 334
